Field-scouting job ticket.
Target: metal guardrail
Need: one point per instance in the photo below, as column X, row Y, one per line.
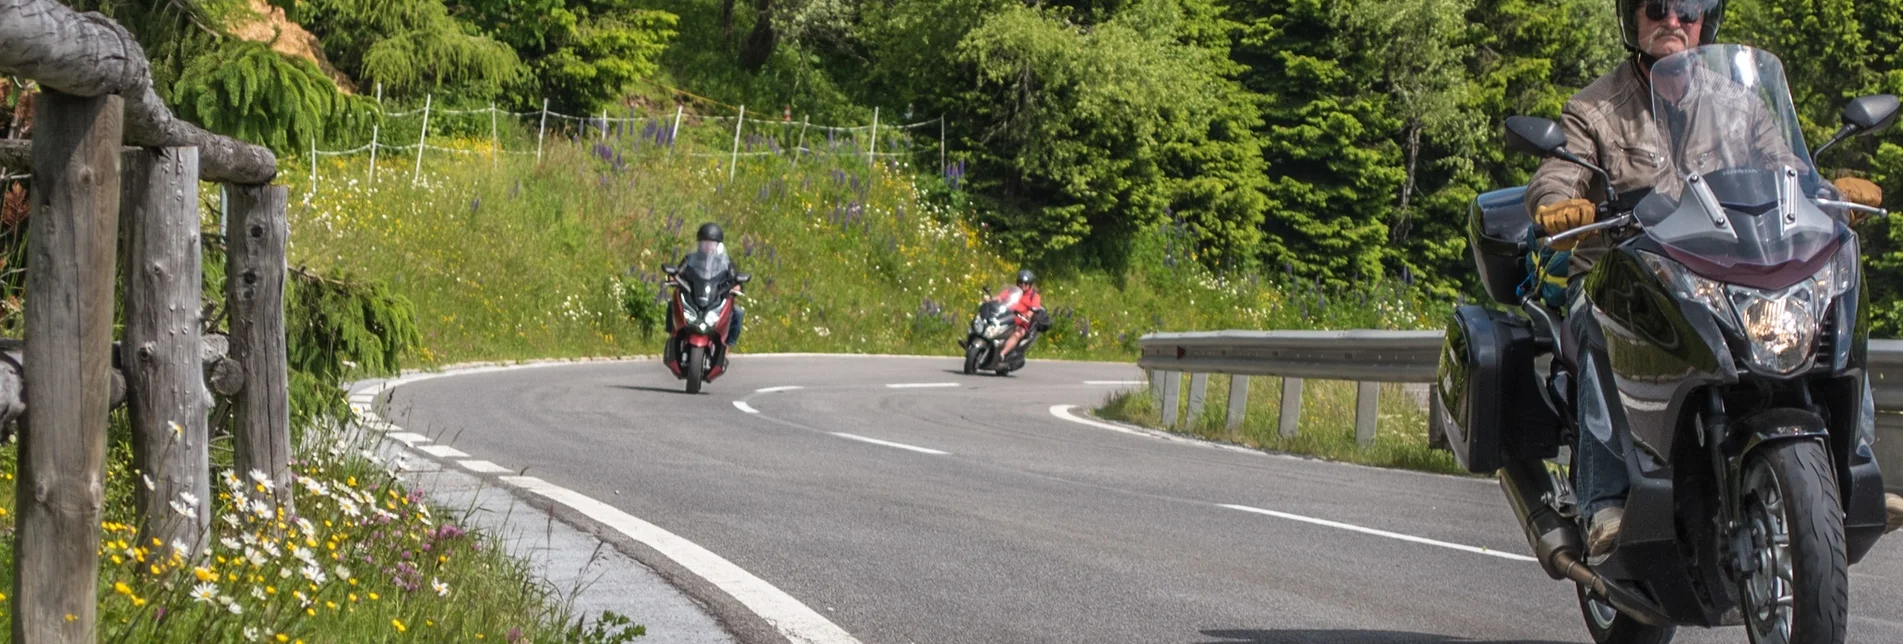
column 1370, row 358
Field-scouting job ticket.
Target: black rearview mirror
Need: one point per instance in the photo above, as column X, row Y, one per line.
column 1871, row 114
column 743, row 278
column 669, row 270
column 1534, row 135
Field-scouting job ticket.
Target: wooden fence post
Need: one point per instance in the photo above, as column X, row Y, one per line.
column 254, row 286
column 72, row 240
column 162, row 352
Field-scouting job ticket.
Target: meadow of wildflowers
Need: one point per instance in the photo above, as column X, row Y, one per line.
column 362, row 558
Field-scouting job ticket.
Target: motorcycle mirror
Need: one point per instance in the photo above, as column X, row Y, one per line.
column 743, row 278
column 1535, row 136
column 669, row 270
column 1871, row 114
column 986, row 289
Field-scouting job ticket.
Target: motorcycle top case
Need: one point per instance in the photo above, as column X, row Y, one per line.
column 1488, row 384
column 1496, row 230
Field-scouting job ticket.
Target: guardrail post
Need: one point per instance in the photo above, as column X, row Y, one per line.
column 1436, row 420
column 1172, row 386
column 71, row 237
column 1238, row 403
column 1367, row 411
column 1198, row 393
column 1889, row 449
column 1291, row 413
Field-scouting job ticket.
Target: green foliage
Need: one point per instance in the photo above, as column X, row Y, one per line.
column 411, row 47
column 245, row 90
column 645, row 303
column 584, row 55
column 337, row 325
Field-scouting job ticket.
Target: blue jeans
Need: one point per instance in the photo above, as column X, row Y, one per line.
column 733, row 330
column 1600, row 480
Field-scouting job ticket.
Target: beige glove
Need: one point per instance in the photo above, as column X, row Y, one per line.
column 1861, row 192
column 1566, row 215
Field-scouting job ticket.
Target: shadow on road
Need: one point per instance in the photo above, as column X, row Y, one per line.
column 659, row 390
column 1313, row 636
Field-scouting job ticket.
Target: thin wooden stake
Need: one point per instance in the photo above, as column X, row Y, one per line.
column 674, row 132
column 736, row 142
column 254, row 287
column 422, row 140
column 872, row 146
column 541, row 130
column 495, row 142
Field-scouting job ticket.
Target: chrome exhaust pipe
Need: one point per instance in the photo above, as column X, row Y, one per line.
column 1556, row 544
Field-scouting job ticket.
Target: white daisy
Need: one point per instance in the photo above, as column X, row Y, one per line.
column 259, row 477
column 205, row 592
column 442, row 589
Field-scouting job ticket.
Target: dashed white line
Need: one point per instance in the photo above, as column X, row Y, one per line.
column 770, row 390
column 876, row 441
column 743, row 406
column 1381, row 533
column 1114, row 382
column 442, row 451
column 793, row 619
column 483, row 467
column 408, row 438
column 920, row 385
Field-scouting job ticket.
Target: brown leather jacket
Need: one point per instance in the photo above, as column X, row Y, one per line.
column 1610, row 124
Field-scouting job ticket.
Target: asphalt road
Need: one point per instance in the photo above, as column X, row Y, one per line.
column 1025, row 527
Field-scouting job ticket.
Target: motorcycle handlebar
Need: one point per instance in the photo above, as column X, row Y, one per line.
column 1620, row 221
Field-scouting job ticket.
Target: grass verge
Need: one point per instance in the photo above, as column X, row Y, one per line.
column 364, row 558
column 1326, row 429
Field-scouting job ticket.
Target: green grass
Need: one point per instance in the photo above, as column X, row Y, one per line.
column 515, row 259
column 383, row 565
column 1326, row 429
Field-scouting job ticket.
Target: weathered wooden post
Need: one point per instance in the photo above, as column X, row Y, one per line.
column 72, row 240
column 254, row 286
column 162, row 351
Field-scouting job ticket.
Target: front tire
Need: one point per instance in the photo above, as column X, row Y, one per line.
column 696, row 368
column 1609, row 626
column 973, row 352
column 1800, row 590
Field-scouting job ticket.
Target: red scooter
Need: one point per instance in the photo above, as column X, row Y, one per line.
column 700, row 315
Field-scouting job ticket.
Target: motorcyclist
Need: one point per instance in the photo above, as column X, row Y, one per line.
column 1026, row 303
column 710, row 249
column 1608, row 124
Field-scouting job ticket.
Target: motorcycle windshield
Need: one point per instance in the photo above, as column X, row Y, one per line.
column 705, row 274
column 1738, row 191
column 1009, row 296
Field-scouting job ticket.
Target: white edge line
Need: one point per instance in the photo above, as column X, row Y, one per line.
column 442, row 451
column 743, row 406
column 1063, row 412
column 876, row 441
column 920, row 385
column 770, row 390
column 1114, row 382
column 408, row 438
column 791, row 618
column 483, row 467
column 1381, row 533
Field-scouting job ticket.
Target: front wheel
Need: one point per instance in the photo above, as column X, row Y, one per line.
column 1609, row 626
column 973, row 352
column 1798, row 588
column 696, row 368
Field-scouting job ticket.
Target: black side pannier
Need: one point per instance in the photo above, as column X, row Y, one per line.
column 1488, row 387
column 1496, row 230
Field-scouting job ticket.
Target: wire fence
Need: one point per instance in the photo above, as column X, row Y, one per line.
column 679, row 131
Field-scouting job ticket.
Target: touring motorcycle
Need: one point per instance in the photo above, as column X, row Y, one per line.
column 1728, row 330
column 701, row 312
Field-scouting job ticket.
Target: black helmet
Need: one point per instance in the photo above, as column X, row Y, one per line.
column 1712, row 12
column 1025, row 276
column 710, row 232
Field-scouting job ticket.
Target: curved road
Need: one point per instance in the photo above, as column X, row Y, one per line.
column 980, row 516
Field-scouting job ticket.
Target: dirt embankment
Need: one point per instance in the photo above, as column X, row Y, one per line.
column 270, row 26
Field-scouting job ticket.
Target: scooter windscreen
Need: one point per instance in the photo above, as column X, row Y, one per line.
column 706, row 275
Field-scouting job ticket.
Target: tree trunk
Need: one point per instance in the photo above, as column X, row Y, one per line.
column 69, row 362
column 1398, row 232
column 254, row 285
column 163, row 353
column 726, row 20
column 90, row 55
column 762, row 40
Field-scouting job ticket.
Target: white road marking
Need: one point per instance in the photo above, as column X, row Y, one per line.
column 770, row 390
column 876, row 441
column 408, row 438
column 793, row 619
column 483, row 467
column 442, row 451
column 1063, row 411
column 743, row 406
column 1114, row 382
column 1381, row 533
column 920, row 385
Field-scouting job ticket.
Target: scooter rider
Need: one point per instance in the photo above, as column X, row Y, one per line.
column 1028, row 306
column 710, row 242
column 1607, row 125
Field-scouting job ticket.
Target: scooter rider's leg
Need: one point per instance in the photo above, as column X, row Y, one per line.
column 1601, row 480
column 733, row 330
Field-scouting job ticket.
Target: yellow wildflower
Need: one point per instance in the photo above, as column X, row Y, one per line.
column 400, row 628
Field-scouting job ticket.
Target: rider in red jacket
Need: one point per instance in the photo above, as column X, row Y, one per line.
column 1026, row 302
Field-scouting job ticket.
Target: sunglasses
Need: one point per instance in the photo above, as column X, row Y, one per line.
column 1657, row 10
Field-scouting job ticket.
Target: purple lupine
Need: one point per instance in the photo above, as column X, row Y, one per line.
column 606, row 153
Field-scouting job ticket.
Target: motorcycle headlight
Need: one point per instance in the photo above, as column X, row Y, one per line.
column 1781, row 325
column 1692, row 287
